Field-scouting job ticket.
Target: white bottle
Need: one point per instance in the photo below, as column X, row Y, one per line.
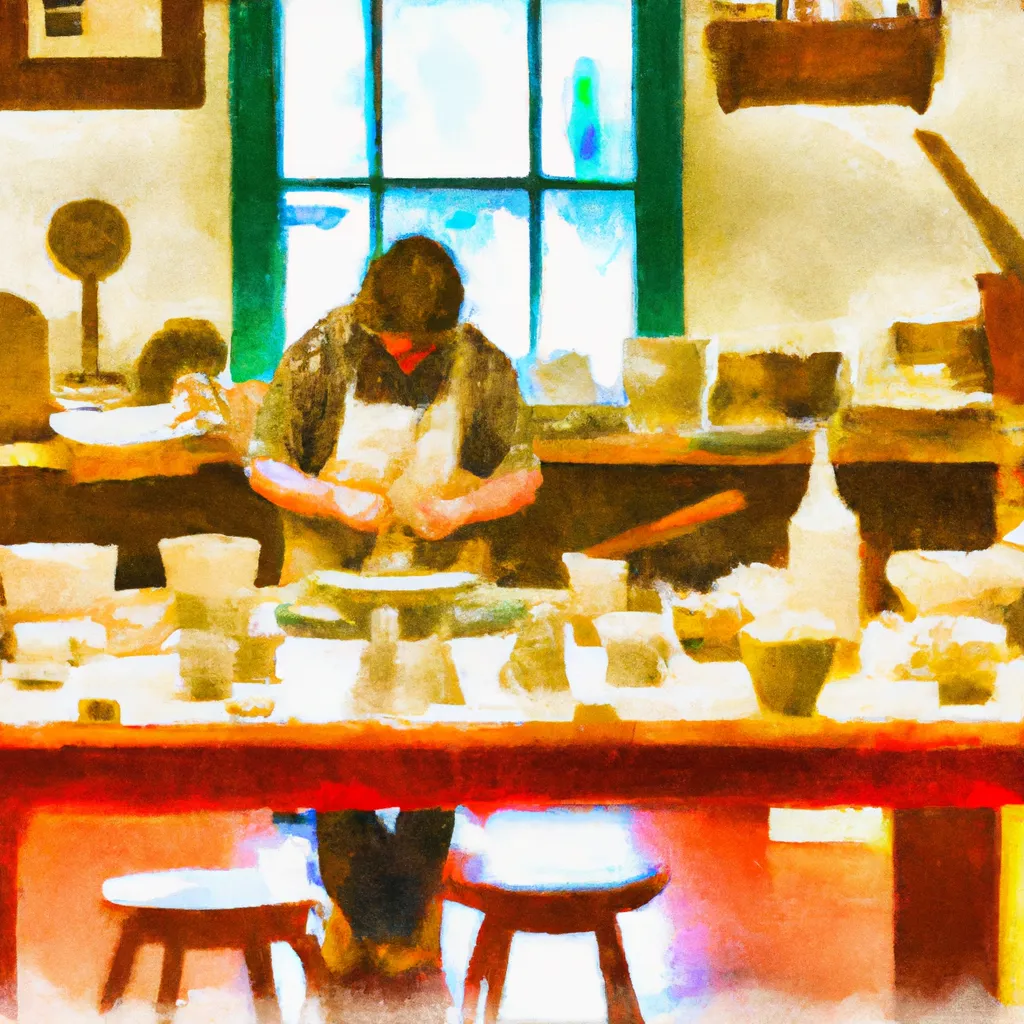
column 825, row 550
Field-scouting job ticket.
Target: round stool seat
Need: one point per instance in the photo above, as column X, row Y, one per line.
column 580, row 904
column 211, row 909
column 577, row 905
column 201, row 889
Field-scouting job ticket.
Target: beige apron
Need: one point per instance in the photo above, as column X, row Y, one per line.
column 395, row 451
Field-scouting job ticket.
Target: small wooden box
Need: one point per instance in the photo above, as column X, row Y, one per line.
column 838, row 63
column 99, row 711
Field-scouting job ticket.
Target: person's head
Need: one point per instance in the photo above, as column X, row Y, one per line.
column 181, row 346
column 412, row 289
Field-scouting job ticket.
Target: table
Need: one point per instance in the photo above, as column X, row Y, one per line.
column 945, row 780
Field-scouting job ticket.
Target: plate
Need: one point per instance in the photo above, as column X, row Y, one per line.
column 357, row 586
column 115, row 428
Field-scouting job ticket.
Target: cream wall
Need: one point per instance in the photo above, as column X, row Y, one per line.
column 793, row 216
column 169, row 173
column 806, row 214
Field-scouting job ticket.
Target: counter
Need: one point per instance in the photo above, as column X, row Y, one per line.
column 946, row 780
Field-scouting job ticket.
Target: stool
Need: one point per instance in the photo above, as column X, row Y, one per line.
column 195, row 909
column 550, row 910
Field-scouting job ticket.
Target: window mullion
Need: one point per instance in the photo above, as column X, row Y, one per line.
column 375, row 124
column 533, row 57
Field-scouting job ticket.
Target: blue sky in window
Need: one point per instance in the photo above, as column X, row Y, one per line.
column 328, row 242
column 324, row 44
column 587, row 89
column 456, row 88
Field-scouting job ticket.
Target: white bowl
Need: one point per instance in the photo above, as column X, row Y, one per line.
column 957, row 582
column 210, row 565
column 55, row 581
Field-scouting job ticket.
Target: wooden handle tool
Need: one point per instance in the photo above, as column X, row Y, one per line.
column 997, row 231
column 679, row 523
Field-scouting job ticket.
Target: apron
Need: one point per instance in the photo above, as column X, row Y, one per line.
column 400, row 452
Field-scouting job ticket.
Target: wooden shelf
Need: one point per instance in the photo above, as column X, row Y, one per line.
column 859, row 435
column 838, row 63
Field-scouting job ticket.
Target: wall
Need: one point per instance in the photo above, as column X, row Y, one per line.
column 167, row 170
column 804, row 215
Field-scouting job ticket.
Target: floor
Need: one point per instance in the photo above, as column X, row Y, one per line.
column 748, row 931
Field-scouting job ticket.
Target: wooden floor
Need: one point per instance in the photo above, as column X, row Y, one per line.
column 747, row 931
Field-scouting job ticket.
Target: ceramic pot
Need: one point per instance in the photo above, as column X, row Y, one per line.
column 787, row 674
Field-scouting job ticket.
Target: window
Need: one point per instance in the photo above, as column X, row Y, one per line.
column 539, row 139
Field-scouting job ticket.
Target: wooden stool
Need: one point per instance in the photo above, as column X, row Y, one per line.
column 193, row 909
column 509, row 909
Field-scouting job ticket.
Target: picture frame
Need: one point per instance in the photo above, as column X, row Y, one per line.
column 173, row 80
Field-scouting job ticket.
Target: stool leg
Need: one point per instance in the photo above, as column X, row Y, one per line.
column 121, row 965
column 623, row 1007
column 261, row 980
column 497, row 968
column 170, row 981
column 308, row 950
column 479, row 968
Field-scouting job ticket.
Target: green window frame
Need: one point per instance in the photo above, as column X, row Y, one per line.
column 258, row 185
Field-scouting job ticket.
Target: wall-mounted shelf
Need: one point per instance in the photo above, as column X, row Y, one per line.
column 838, row 63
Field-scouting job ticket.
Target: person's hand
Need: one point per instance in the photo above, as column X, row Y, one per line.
column 195, row 397
column 362, row 510
column 437, row 518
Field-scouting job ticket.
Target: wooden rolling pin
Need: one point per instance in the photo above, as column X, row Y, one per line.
column 672, row 526
column 997, row 231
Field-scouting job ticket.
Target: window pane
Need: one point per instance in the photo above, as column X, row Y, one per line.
column 489, row 235
column 587, row 284
column 324, row 89
column 328, row 237
column 456, row 88
column 587, row 89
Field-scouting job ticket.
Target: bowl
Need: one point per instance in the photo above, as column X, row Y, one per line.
column 56, row 581
column 788, row 675
column 975, row 583
column 210, row 565
column 774, row 388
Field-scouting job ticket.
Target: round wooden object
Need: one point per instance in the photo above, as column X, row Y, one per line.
column 88, row 238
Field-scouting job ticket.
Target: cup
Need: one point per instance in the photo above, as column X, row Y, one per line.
column 210, row 565
column 639, row 645
column 598, row 586
column 207, row 663
column 256, row 661
column 664, row 381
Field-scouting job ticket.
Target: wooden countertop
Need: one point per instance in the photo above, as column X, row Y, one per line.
column 756, row 732
column 861, row 434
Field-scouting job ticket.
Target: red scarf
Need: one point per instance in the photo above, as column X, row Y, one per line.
column 401, row 349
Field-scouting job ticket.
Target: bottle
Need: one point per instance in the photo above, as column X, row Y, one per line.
column 825, row 550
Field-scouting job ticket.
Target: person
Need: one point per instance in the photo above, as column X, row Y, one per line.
column 392, row 426
column 181, row 365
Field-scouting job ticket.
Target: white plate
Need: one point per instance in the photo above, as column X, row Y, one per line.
column 142, row 424
column 411, row 584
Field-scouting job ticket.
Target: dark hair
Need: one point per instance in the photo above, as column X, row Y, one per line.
column 181, row 346
column 414, row 287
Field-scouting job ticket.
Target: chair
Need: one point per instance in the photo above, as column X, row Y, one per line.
column 25, row 400
column 551, row 910
column 196, row 909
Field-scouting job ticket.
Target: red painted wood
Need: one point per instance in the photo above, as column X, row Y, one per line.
column 758, row 762
column 400, row 766
column 946, row 879
column 11, row 827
